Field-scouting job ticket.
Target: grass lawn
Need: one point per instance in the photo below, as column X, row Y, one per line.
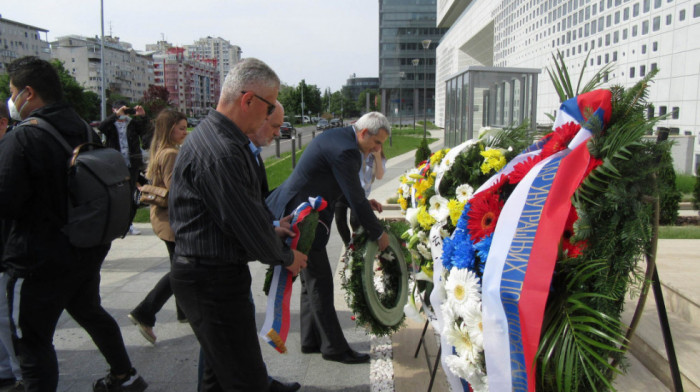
column 143, row 215
column 679, row 232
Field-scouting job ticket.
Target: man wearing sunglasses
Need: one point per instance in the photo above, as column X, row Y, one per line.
column 221, row 224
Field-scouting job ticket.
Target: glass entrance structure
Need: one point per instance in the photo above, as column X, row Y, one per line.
column 488, row 97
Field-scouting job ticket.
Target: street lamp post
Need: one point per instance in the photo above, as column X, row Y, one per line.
column 415, row 63
column 402, row 74
column 426, row 45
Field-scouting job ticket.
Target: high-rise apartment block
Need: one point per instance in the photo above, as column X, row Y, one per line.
column 406, row 66
column 127, row 72
column 193, row 84
column 218, row 49
column 636, row 36
column 19, row 40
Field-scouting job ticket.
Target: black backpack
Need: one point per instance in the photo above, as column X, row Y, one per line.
column 100, row 195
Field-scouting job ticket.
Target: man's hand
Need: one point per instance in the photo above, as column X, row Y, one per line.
column 377, row 206
column 120, row 111
column 383, row 241
column 139, row 110
column 284, row 230
column 299, row 262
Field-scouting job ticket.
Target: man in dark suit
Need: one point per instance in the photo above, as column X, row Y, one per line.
column 330, row 168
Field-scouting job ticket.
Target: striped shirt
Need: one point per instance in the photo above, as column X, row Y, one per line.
column 215, row 206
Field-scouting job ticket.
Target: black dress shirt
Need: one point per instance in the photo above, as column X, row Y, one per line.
column 215, row 203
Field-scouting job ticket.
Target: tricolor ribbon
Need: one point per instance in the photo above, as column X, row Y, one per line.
column 276, row 325
column 524, row 248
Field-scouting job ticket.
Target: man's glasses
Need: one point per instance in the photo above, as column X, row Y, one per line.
column 270, row 107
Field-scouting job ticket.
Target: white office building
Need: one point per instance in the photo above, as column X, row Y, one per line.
column 218, row 49
column 18, row 40
column 637, row 36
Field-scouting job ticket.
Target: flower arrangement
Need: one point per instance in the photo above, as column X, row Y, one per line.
column 544, row 251
column 375, row 282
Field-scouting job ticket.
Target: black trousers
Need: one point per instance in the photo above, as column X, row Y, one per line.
column 41, row 300
column 216, row 301
column 158, row 296
column 320, row 326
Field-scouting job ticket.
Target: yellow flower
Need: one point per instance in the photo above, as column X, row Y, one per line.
column 424, row 185
column 424, row 219
column 403, row 203
column 456, row 207
column 493, row 160
column 438, row 156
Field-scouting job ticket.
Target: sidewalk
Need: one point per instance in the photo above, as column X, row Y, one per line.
column 135, row 264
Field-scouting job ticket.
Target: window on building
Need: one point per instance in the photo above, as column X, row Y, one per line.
column 617, row 17
column 634, row 30
column 600, row 41
column 645, row 27
column 608, row 21
column 668, row 19
column 644, row 49
column 647, row 4
column 598, row 60
column 610, row 3
column 657, row 4
column 607, row 58
column 696, row 10
column 642, row 70
column 618, row 2
column 624, row 34
column 607, row 39
column 614, row 56
column 593, row 27
column 632, row 72
column 635, row 9
column 675, row 112
column 662, row 110
column 681, row 15
column 654, row 46
column 602, row 5
column 656, row 25
column 626, row 13
column 616, row 37
column 653, row 66
column 650, row 112
column 595, row 10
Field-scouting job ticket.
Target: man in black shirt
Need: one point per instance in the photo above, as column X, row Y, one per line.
column 220, row 224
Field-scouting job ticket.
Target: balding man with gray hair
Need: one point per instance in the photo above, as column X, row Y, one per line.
column 329, row 168
column 221, row 224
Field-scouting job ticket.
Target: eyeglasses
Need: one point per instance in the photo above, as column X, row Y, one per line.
column 270, row 107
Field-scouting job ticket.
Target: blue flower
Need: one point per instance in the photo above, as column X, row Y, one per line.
column 464, row 254
column 482, row 248
column 462, row 222
column 448, row 248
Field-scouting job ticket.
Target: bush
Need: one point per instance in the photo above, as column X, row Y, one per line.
column 669, row 195
column 696, row 190
column 422, row 153
column 685, row 183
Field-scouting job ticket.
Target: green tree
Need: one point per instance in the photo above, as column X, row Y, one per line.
column 373, row 100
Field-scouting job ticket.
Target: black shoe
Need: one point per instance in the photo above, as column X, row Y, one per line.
column 310, row 349
column 110, row 383
column 278, row 386
column 349, row 357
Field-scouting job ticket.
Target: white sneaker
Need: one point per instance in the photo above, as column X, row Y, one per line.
column 134, row 231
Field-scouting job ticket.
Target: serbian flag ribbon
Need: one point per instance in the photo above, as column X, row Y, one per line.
column 275, row 328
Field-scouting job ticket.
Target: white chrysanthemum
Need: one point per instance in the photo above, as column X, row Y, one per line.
column 412, row 216
column 405, row 191
column 464, row 193
column 460, row 367
column 461, row 286
column 472, row 319
column 448, row 317
column 479, row 383
column 438, row 208
column 424, row 251
column 458, row 336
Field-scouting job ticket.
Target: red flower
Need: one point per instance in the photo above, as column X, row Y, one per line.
column 592, row 164
column 522, row 168
column 485, row 208
column 573, row 250
column 560, row 139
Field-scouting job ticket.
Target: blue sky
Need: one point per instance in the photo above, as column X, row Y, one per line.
column 321, row 41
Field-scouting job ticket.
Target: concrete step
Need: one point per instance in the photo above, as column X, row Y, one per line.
column 648, row 347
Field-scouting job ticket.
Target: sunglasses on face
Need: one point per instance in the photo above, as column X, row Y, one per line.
column 270, row 107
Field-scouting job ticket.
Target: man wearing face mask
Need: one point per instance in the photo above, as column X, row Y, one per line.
column 47, row 274
column 128, row 131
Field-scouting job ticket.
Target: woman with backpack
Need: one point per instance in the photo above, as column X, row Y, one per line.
column 170, row 132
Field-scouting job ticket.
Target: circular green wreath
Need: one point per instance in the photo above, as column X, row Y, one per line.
column 380, row 312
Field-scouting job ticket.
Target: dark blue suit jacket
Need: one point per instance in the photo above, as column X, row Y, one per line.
column 329, row 167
